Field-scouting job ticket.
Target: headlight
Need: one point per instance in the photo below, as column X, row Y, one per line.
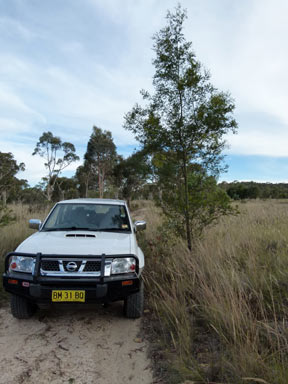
column 22, row 264
column 123, row 265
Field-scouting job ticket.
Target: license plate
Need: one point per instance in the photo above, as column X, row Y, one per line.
column 68, row 296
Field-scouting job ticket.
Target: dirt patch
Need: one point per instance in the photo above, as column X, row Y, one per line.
column 73, row 345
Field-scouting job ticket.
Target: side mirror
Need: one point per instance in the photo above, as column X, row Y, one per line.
column 140, row 225
column 34, row 223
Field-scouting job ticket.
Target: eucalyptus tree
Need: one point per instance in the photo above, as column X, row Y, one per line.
column 58, row 156
column 84, row 178
column 131, row 174
column 8, row 184
column 8, row 169
column 186, row 118
column 100, row 157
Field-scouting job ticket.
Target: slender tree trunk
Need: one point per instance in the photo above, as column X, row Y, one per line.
column 49, row 192
column 4, row 197
column 99, row 182
column 86, row 187
column 101, row 189
column 187, row 219
column 101, row 178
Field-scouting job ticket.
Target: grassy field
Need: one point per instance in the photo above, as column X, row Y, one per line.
column 14, row 233
column 222, row 309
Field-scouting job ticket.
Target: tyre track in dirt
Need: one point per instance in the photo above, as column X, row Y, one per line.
column 73, row 345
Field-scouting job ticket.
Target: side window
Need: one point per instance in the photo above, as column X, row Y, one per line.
column 124, row 218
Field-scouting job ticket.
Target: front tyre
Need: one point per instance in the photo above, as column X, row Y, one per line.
column 134, row 304
column 21, row 308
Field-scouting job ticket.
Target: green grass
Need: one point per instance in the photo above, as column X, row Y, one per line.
column 222, row 308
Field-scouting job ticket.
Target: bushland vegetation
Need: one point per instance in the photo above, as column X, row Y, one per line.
column 252, row 190
column 222, row 308
column 17, row 229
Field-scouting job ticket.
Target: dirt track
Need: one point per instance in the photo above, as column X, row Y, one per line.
column 73, row 345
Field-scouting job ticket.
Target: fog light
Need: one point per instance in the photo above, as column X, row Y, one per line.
column 11, row 281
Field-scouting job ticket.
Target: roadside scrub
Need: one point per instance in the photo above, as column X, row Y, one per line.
column 15, row 232
column 221, row 309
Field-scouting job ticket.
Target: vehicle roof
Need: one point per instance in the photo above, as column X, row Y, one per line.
column 93, row 201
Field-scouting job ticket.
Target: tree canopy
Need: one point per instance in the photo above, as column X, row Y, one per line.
column 58, row 155
column 100, row 157
column 8, row 169
column 131, row 174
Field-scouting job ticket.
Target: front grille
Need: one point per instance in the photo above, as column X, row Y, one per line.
column 50, row 265
column 92, row 266
column 73, row 267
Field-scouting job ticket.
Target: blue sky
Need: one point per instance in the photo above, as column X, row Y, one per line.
column 66, row 65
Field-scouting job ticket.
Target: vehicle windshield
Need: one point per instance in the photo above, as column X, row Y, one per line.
column 91, row 217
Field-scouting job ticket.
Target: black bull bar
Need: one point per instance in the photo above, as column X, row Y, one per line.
column 38, row 256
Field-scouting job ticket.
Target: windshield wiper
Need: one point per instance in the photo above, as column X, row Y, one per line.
column 68, row 229
column 86, row 229
column 113, row 229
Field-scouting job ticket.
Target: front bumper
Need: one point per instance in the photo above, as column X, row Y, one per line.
column 39, row 288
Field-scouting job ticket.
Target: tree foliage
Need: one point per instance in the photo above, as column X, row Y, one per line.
column 207, row 201
column 31, row 196
column 58, row 155
column 241, row 190
column 131, row 174
column 186, row 118
column 84, row 178
column 65, row 188
column 100, row 158
column 8, row 169
column 8, row 184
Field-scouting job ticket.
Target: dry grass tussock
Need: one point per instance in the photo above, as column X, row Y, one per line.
column 13, row 234
column 223, row 308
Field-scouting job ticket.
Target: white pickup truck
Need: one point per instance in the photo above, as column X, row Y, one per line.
column 85, row 251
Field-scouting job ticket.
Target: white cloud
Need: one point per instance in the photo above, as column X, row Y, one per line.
column 15, row 28
column 9, row 100
column 12, row 126
column 257, row 143
column 16, row 117
column 259, row 69
column 61, row 81
column 246, row 55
